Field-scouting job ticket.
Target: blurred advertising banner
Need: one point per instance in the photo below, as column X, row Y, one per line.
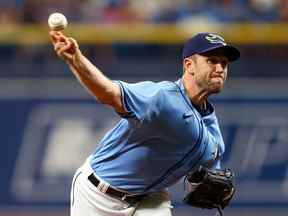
column 49, row 127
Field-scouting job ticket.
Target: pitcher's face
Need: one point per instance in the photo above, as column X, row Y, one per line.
column 210, row 71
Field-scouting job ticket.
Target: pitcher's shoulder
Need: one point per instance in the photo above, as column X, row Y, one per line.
column 168, row 86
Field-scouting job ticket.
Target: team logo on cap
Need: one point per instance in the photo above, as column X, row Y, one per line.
column 213, row 38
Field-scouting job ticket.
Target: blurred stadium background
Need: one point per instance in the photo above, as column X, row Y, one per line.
column 49, row 123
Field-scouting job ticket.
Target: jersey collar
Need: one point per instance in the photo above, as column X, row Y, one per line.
column 210, row 107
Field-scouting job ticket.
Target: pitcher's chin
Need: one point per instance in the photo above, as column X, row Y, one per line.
column 216, row 88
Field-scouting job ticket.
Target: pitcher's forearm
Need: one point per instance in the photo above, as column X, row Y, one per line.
column 89, row 76
column 105, row 90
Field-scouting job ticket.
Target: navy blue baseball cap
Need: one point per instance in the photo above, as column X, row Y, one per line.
column 204, row 42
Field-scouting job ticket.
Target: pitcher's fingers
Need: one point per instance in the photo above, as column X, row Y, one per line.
column 58, row 45
column 54, row 38
column 63, row 49
column 61, row 38
column 61, row 42
column 55, row 32
column 74, row 42
column 57, row 36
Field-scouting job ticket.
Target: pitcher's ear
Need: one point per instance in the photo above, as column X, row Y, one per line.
column 188, row 65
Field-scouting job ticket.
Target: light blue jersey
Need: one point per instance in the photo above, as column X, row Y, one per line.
column 159, row 141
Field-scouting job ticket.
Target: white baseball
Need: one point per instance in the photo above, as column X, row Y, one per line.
column 57, row 21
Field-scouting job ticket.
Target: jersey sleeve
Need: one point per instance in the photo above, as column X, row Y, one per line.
column 138, row 98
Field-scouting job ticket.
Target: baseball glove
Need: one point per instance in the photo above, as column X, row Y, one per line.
column 210, row 188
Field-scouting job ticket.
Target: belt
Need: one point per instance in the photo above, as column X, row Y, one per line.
column 131, row 199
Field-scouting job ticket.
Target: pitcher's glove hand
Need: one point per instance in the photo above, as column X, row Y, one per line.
column 210, row 188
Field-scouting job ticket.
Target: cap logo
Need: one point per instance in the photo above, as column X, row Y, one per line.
column 213, row 38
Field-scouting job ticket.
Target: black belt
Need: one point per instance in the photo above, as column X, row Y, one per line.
column 131, row 199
